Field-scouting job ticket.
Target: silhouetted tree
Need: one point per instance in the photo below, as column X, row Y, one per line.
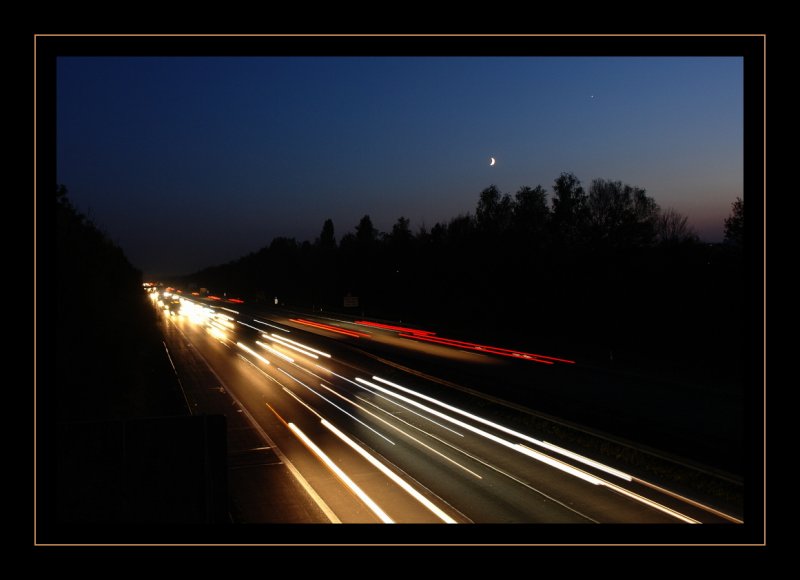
column 326, row 239
column 365, row 232
column 672, row 228
column 569, row 207
column 401, row 232
column 323, row 271
column 734, row 224
column 398, row 246
column 438, row 233
column 530, row 210
column 620, row 215
column 460, row 228
column 643, row 217
column 103, row 327
column 607, row 204
column 494, row 210
column 348, row 241
column 284, row 257
column 61, row 196
column 359, row 258
column 398, row 267
column 487, row 204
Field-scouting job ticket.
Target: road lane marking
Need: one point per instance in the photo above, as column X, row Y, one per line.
column 178, row 378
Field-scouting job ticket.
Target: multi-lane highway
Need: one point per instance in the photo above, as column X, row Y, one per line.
column 372, row 440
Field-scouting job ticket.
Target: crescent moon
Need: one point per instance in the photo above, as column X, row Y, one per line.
column 492, row 162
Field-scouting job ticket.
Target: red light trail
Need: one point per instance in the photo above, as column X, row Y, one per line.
column 330, row 328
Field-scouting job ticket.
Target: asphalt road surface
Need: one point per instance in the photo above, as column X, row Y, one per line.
column 373, row 440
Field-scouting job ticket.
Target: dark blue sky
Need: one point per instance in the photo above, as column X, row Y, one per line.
column 190, row 162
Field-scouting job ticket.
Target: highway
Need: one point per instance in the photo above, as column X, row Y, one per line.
column 373, row 440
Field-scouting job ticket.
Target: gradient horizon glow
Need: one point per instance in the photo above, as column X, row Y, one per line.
column 189, row 162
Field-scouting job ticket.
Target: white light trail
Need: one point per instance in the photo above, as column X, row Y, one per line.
column 323, row 397
column 319, row 366
column 275, row 352
column 709, row 509
column 217, row 325
column 248, row 361
column 229, row 310
column 300, row 344
column 551, row 461
column 414, row 439
column 412, row 411
column 216, row 333
column 266, row 376
column 272, row 325
column 196, row 313
column 390, row 474
column 286, row 345
column 459, row 450
column 251, row 351
column 455, row 448
column 650, row 502
column 302, row 402
column 537, row 455
column 586, row 460
column 385, row 422
column 550, row 446
column 248, row 325
column 341, row 475
column 346, row 379
column 516, row 447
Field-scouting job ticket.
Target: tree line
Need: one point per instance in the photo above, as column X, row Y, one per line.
column 607, row 265
column 101, row 352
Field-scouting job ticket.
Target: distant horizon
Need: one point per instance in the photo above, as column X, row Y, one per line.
column 194, row 162
column 339, row 233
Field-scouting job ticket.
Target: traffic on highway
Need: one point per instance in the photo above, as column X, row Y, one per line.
column 373, row 440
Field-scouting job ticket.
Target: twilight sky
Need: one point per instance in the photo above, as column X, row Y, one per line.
column 191, row 162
